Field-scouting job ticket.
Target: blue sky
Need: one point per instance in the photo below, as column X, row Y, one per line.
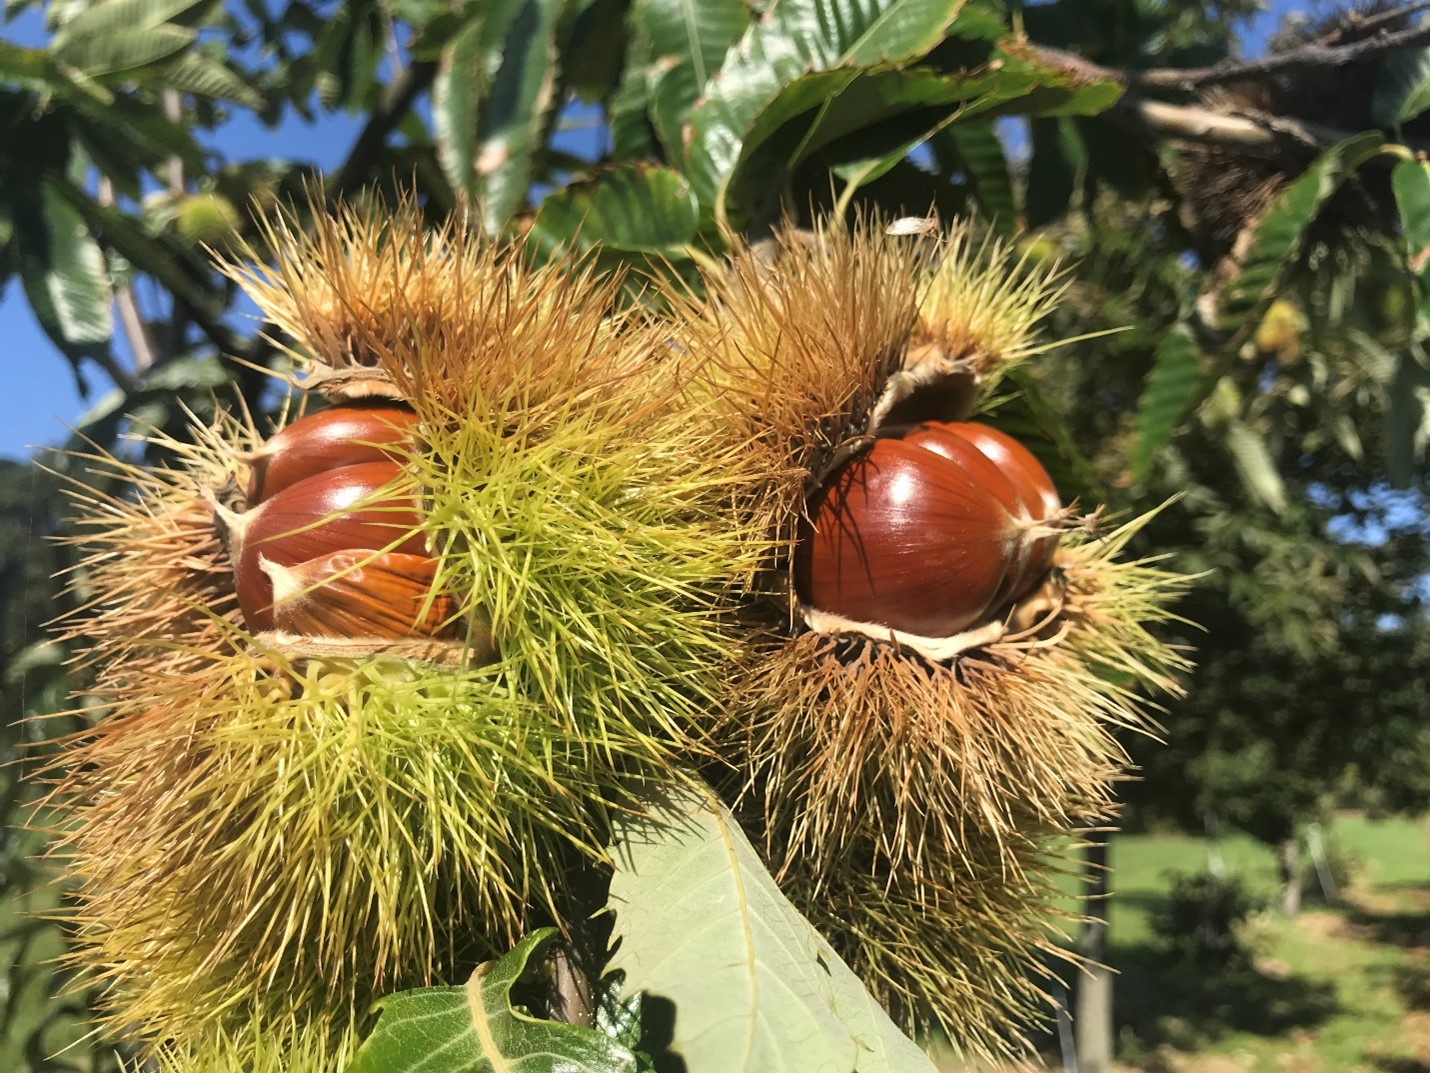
column 41, row 394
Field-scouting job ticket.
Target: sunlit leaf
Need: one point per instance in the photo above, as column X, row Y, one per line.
column 123, row 49
column 65, row 277
column 1411, row 182
column 854, row 114
column 494, row 91
column 637, row 208
column 796, row 38
column 107, row 17
column 688, row 41
column 701, row 923
column 1254, row 464
column 205, row 76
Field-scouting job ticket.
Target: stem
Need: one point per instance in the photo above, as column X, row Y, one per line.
column 1093, row 1017
column 571, row 989
column 141, row 344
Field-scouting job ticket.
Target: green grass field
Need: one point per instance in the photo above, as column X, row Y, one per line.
column 1343, row 989
column 1336, row 989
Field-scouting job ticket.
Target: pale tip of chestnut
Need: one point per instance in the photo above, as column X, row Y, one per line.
column 232, row 524
column 287, row 582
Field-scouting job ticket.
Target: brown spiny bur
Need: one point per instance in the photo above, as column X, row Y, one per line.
column 934, row 529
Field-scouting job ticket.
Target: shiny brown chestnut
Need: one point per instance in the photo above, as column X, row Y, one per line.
column 359, row 594
column 1037, row 497
column 329, row 439
column 929, row 531
column 329, row 512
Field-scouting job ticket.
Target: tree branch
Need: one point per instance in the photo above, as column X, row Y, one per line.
column 1312, row 55
column 1208, row 126
column 130, row 318
column 395, row 104
column 1369, row 43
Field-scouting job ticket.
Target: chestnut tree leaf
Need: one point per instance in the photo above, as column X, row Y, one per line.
column 1176, row 376
column 796, row 38
column 1402, row 89
column 495, row 86
column 637, row 208
column 1281, row 231
column 1255, row 465
column 867, row 118
column 688, row 41
column 976, row 150
column 1178, row 384
column 476, row 1029
column 65, row 276
column 1411, row 183
column 755, row 988
column 1408, row 423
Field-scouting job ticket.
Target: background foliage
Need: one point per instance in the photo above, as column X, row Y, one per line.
column 1260, row 229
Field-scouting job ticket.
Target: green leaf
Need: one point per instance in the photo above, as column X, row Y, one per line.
column 632, row 135
column 65, row 277
column 110, row 16
column 796, row 38
column 204, row 76
column 1253, row 462
column 1174, row 390
column 475, row 1029
column 976, row 150
column 688, row 41
column 1408, row 423
column 463, row 73
column 494, row 89
column 858, row 115
column 1402, row 89
column 1176, row 376
column 148, row 253
column 522, row 93
column 702, row 923
column 1279, row 233
column 123, row 49
column 27, row 68
column 1411, row 182
column 637, row 208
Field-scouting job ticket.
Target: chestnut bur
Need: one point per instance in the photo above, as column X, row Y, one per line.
column 932, row 530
